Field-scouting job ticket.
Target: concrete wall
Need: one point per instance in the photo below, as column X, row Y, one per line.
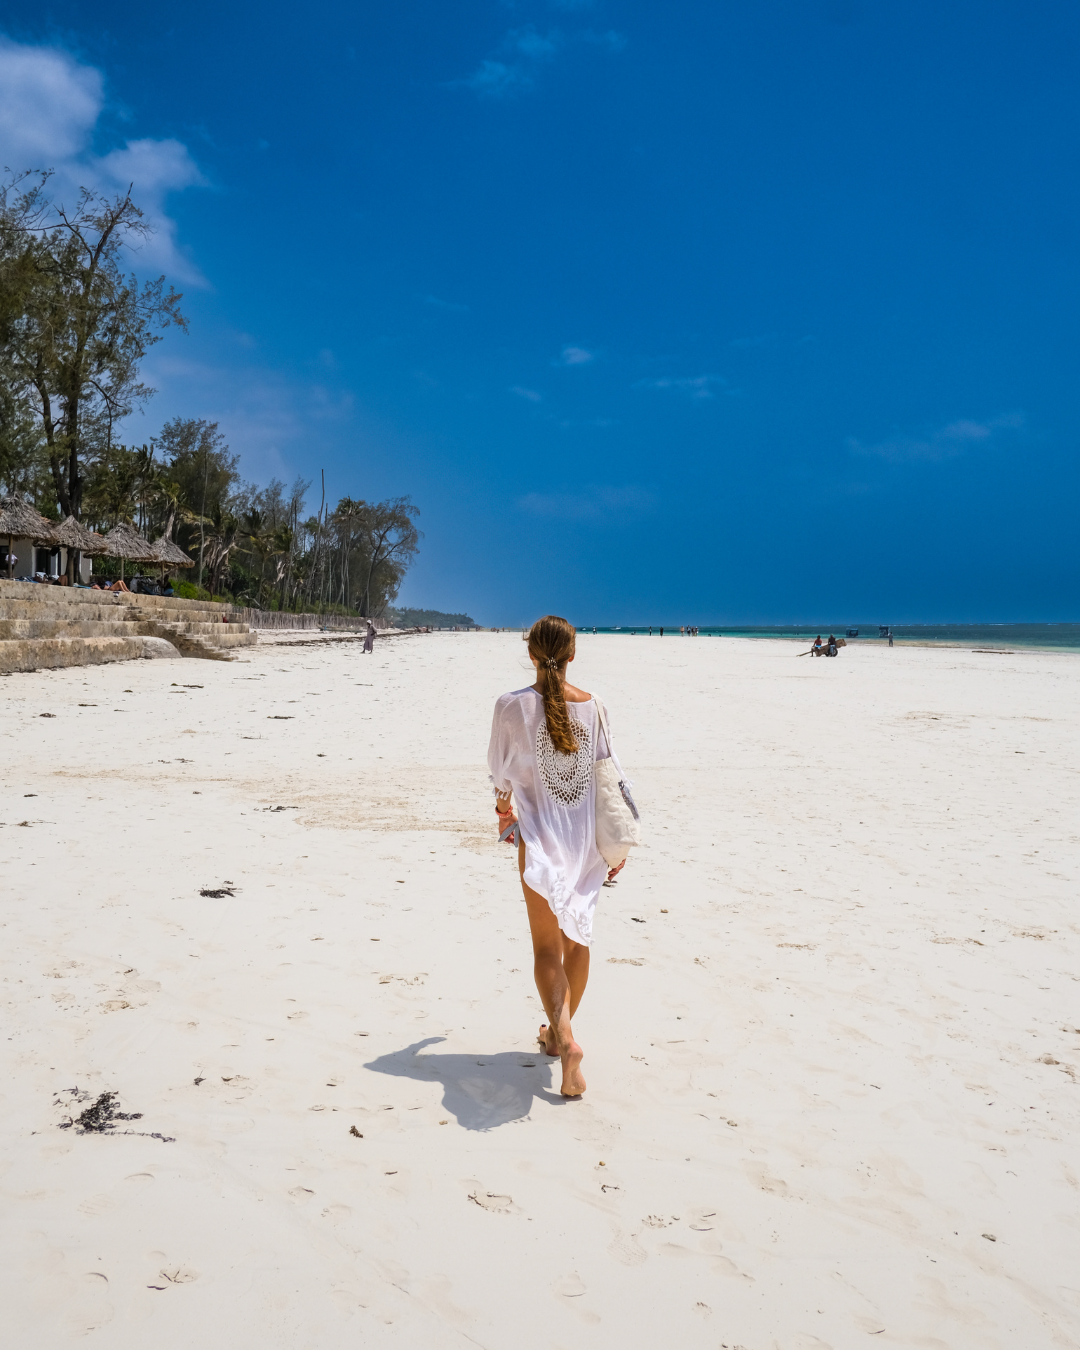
column 267, row 618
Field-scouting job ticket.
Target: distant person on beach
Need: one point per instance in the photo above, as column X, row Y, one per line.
column 369, row 637
column 832, row 645
column 544, row 742
column 890, row 637
column 816, row 648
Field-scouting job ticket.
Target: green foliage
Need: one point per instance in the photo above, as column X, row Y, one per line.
column 73, row 327
column 199, row 463
column 429, row 618
column 73, row 332
column 187, row 590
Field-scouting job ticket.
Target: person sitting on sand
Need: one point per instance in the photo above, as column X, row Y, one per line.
column 544, row 741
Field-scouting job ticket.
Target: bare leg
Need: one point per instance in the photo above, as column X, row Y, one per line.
column 576, row 966
column 560, row 983
column 575, row 963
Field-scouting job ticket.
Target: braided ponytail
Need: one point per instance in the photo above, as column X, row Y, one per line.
column 551, row 645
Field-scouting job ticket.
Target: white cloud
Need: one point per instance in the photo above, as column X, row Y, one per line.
column 695, row 386
column 613, row 41
column 49, row 108
column 530, row 395
column 445, row 304
column 495, row 79
column 946, row 442
column 529, row 43
column 613, row 505
column 575, row 356
column 48, row 104
column 522, row 50
column 154, row 169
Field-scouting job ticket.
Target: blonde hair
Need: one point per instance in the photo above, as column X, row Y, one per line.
column 551, row 645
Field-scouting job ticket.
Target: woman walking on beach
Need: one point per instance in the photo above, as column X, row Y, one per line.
column 545, row 740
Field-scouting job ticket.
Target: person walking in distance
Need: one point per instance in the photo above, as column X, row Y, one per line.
column 545, row 740
column 369, row 637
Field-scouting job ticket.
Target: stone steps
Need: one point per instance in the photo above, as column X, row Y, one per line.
column 220, row 633
column 52, row 625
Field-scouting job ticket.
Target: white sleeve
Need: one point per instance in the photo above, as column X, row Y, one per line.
column 500, row 748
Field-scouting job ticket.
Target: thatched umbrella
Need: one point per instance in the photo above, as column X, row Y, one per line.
column 164, row 550
column 18, row 517
column 78, row 540
column 127, row 544
column 169, row 555
column 73, row 534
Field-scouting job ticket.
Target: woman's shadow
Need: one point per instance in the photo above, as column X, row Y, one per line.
column 481, row 1091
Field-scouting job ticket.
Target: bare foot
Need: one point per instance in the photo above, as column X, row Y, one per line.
column 573, row 1084
column 546, row 1040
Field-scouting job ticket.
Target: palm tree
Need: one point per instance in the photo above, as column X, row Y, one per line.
column 281, row 546
column 222, row 539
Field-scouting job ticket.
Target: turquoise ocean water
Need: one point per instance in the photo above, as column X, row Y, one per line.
column 996, row 636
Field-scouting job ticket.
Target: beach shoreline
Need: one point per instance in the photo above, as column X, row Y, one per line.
column 830, row 1041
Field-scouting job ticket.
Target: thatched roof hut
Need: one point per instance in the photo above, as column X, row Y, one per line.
column 165, row 551
column 73, row 534
column 19, row 520
column 125, row 542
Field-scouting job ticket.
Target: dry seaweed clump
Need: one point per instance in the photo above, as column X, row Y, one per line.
column 102, row 1116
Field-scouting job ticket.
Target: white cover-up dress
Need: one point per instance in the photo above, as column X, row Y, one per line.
column 555, row 801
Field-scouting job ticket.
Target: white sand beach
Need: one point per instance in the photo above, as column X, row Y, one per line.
column 832, row 1033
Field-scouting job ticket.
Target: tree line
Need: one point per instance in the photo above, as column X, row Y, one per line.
column 74, row 328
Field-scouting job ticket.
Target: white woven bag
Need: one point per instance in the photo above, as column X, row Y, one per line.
column 617, row 828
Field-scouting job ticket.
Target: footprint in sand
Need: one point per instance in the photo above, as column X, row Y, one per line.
column 494, row 1204
column 179, row 1275
column 626, row 1249
column 569, row 1286
column 93, row 1308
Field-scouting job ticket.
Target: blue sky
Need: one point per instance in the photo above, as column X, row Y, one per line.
column 677, row 313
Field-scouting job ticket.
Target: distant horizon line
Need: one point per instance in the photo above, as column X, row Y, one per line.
column 920, row 623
